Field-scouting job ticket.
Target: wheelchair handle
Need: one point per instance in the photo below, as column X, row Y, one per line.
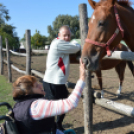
column 6, row 104
column 3, row 117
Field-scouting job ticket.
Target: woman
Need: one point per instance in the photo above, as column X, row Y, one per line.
column 33, row 113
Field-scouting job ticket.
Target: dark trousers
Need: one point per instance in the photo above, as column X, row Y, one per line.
column 56, row 92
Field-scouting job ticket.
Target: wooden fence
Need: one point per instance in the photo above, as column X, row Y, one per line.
column 10, row 65
column 88, row 92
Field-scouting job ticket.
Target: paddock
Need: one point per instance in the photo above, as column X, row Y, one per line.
column 104, row 121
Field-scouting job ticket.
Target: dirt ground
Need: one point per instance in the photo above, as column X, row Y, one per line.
column 104, row 121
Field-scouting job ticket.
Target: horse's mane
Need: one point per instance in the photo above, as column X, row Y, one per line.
column 124, row 2
column 120, row 2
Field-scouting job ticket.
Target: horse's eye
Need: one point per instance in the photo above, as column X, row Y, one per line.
column 101, row 23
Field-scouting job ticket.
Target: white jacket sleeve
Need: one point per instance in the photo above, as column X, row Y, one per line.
column 68, row 47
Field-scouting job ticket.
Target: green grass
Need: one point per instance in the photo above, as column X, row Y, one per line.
column 5, row 94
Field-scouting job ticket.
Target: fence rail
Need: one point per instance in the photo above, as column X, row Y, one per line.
column 18, row 54
column 40, row 51
column 10, row 65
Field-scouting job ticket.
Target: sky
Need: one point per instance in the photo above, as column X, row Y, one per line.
column 38, row 14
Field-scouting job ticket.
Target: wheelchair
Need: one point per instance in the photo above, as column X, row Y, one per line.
column 9, row 126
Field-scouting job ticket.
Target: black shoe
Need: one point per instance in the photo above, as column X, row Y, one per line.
column 59, row 126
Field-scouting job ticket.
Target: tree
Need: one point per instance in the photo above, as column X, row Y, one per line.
column 37, row 39
column 8, row 31
column 4, row 14
column 71, row 21
column 23, row 39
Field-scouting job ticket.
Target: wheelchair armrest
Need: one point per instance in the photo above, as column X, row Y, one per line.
column 4, row 117
column 6, row 104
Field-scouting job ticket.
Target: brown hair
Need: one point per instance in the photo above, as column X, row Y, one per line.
column 23, row 85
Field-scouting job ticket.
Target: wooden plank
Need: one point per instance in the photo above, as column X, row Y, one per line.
column 115, row 106
column 4, row 49
column 40, row 51
column 72, row 86
column 5, row 61
column 121, row 55
column 41, row 75
column 17, row 69
column 18, row 54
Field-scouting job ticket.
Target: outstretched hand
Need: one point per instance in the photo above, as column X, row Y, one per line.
column 82, row 71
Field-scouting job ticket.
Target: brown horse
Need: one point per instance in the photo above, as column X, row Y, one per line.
column 111, row 21
column 119, row 65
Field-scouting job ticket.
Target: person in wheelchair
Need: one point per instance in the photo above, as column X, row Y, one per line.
column 33, row 113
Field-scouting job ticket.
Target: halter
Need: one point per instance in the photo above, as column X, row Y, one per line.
column 119, row 28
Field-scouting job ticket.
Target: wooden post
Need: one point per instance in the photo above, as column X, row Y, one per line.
column 28, row 52
column 83, row 22
column 8, row 62
column 1, row 57
column 88, row 92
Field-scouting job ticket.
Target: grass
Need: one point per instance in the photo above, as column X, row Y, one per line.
column 5, row 94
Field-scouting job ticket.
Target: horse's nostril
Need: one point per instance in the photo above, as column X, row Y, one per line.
column 85, row 60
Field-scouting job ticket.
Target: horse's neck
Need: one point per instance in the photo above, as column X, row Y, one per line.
column 127, row 21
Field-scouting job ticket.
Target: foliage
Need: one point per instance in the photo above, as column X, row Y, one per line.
column 37, row 39
column 71, row 21
column 7, row 31
column 23, row 39
column 4, row 15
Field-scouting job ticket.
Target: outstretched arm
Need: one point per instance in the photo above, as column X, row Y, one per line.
column 44, row 108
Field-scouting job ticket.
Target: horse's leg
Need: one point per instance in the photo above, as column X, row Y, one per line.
column 99, row 77
column 120, row 69
column 131, row 66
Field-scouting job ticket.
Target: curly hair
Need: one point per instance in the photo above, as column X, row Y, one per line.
column 23, row 85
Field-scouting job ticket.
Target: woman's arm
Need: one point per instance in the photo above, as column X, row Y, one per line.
column 41, row 108
column 44, row 108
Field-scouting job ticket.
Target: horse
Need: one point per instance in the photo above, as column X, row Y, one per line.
column 111, row 22
column 119, row 66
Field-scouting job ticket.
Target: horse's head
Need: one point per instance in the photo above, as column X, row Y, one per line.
column 103, row 34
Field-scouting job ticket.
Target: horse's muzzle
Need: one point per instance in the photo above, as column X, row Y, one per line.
column 86, row 62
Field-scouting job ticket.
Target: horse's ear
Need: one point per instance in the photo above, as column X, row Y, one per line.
column 112, row 1
column 92, row 3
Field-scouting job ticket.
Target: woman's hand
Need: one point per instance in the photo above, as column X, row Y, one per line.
column 82, row 71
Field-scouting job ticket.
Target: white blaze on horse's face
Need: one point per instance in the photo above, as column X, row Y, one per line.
column 93, row 18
